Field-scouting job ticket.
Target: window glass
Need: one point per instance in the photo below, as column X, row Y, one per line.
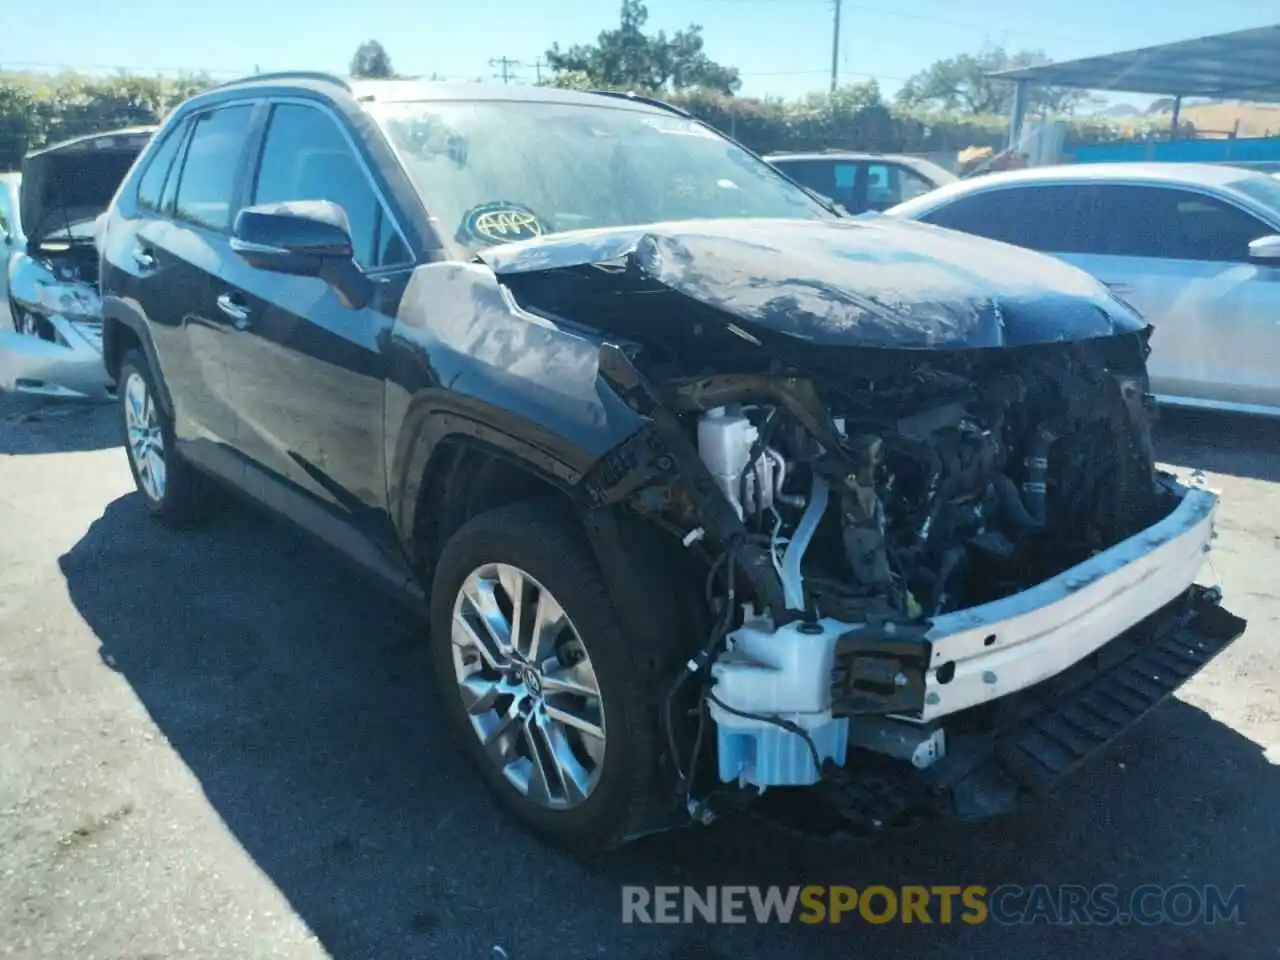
column 306, row 157
column 490, row 172
column 814, row 174
column 151, row 186
column 1263, row 189
column 207, row 187
column 6, row 216
column 1173, row 224
column 1053, row 219
column 889, row 184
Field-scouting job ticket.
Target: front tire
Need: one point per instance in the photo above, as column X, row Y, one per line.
column 542, row 691
column 174, row 491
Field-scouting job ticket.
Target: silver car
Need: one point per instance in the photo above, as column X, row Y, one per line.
column 1194, row 247
column 51, row 322
column 10, row 240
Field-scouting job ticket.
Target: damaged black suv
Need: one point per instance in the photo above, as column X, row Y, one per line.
column 718, row 501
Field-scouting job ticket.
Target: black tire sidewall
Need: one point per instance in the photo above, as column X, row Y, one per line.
column 548, row 545
column 134, row 362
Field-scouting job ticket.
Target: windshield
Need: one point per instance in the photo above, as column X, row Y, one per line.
column 495, row 172
column 1261, row 189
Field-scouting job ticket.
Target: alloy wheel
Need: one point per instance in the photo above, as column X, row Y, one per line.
column 528, row 686
column 144, row 436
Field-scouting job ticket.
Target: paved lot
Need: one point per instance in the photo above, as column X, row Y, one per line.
column 219, row 745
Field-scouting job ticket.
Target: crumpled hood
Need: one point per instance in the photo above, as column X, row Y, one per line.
column 868, row 281
column 73, row 182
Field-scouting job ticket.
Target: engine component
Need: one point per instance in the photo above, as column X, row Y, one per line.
column 766, row 675
column 725, row 443
column 792, row 580
column 922, row 746
column 862, row 516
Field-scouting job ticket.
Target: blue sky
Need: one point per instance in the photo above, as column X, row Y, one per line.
column 782, row 47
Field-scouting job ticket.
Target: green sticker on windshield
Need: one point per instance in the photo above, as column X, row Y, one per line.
column 501, row 222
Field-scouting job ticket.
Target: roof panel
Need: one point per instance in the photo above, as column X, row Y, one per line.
column 1243, row 65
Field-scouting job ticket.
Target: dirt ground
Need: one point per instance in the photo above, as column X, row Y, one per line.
column 220, row 744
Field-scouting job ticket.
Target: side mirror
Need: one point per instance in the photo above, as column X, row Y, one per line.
column 304, row 238
column 1266, row 249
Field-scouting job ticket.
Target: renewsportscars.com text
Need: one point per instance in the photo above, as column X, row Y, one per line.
column 1008, row 904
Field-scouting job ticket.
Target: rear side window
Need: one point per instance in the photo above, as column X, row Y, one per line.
column 207, row 191
column 305, row 156
column 1052, row 219
column 151, row 186
column 1172, row 224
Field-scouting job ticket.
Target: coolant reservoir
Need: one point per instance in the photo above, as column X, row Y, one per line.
column 724, row 443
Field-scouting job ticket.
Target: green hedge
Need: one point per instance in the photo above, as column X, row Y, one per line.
column 37, row 109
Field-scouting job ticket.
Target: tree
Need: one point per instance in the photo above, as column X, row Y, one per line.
column 371, row 61
column 961, row 83
column 628, row 58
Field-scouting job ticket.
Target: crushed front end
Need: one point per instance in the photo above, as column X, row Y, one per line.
column 939, row 580
column 55, row 348
column 916, row 469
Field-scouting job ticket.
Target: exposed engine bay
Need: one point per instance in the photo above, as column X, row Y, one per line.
column 922, row 486
column 957, row 482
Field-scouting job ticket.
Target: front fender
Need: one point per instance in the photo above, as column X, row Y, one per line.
column 467, row 362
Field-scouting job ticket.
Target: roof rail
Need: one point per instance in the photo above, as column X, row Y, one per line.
column 287, row 75
column 641, row 98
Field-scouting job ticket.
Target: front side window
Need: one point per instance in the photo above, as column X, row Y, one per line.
column 491, row 172
column 1052, row 219
column 1168, row 223
column 206, row 190
column 306, row 157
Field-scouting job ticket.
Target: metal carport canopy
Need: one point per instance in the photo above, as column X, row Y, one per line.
column 1244, row 65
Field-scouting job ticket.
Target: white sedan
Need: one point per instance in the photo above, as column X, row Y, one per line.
column 1195, row 248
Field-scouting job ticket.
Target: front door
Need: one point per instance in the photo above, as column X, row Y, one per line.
column 1181, row 258
column 308, row 373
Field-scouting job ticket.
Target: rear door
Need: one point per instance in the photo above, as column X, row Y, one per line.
column 307, row 373
column 186, row 198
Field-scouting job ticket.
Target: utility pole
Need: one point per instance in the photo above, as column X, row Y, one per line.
column 537, row 66
column 835, row 47
column 506, row 63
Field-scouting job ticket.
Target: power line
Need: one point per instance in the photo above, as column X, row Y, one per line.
column 835, row 47
column 506, row 63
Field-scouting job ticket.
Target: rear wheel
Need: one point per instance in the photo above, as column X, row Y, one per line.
column 174, row 491
column 541, row 688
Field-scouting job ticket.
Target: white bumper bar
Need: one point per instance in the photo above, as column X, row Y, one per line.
column 990, row 651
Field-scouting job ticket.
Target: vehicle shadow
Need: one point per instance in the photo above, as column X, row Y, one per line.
column 1234, row 445
column 31, row 425
column 299, row 697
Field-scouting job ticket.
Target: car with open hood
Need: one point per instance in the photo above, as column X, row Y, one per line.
column 52, row 342
column 715, row 501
